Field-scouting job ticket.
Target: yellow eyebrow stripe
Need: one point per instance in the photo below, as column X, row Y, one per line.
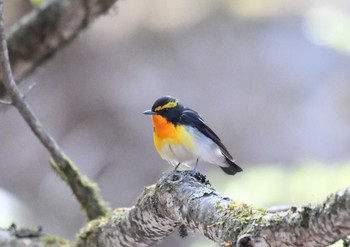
column 171, row 104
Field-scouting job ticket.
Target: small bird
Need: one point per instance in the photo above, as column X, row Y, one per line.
column 181, row 136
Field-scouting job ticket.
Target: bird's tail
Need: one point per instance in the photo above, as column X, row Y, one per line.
column 232, row 169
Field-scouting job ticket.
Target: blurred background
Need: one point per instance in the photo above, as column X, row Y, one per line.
column 271, row 77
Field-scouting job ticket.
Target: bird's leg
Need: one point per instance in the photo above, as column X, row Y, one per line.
column 195, row 168
column 177, row 166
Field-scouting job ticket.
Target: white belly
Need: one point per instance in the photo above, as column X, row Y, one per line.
column 203, row 149
column 175, row 154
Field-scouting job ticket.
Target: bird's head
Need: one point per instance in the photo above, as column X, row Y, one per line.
column 167, row 107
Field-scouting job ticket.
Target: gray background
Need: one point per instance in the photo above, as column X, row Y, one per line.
column 267, row 76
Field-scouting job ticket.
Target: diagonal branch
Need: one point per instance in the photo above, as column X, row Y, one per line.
column 85, row 191
column 44, row 31
column 185, row 198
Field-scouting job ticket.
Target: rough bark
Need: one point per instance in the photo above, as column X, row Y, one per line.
column 185, row 198
column 44, row 31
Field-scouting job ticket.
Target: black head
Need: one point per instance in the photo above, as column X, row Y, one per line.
column 168, row 107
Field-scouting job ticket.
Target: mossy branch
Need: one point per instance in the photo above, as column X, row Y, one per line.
column 26, row 237
column 33, row 242
column 185, row 198
column 85, row 191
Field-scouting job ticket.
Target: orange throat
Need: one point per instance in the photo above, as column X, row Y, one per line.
column 163, row 129
column 166, row 133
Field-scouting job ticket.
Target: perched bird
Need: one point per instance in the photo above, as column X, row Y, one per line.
column 181, row 136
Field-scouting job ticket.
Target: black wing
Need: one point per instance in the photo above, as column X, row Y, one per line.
column 192, row 118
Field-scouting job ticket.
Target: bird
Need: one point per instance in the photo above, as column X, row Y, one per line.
column 182, row 137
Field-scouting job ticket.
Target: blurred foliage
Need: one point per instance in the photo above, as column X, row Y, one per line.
column 329, row 26
column 259, row 9
column 307, row 182
column 36, row 3
column 272, row 185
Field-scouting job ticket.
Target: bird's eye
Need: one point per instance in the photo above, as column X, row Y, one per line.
column 166, row 109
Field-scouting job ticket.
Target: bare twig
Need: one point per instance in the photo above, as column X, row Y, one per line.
column 29, row 89
column 6, row 101
column 92, row 203
column 44, row 31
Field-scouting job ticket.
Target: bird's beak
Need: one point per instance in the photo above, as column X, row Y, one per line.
column 149, row 112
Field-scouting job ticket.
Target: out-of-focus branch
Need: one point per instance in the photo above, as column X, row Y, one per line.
column 25, row 237
column 185, row 198
column 44, row 31
column 84, row 190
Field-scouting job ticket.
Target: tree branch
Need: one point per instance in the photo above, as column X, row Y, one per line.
column 185, row 198
column 84, row 190
column 44, row 31
column 25, row 237
column 179, row 197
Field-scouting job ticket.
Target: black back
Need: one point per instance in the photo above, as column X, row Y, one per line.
column 192, row 118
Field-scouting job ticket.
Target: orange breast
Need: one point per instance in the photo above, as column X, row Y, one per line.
column 167, row 133
column 163, row 129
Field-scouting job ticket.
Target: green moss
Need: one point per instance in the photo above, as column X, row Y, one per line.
column 293, row 218
column 212, row 218
column 238, row 216
column 244, row 213
column 278, row 217
column 89, row 229
column 218, row 206
column 37, row 3
column 85, row 191
column 54, row 240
